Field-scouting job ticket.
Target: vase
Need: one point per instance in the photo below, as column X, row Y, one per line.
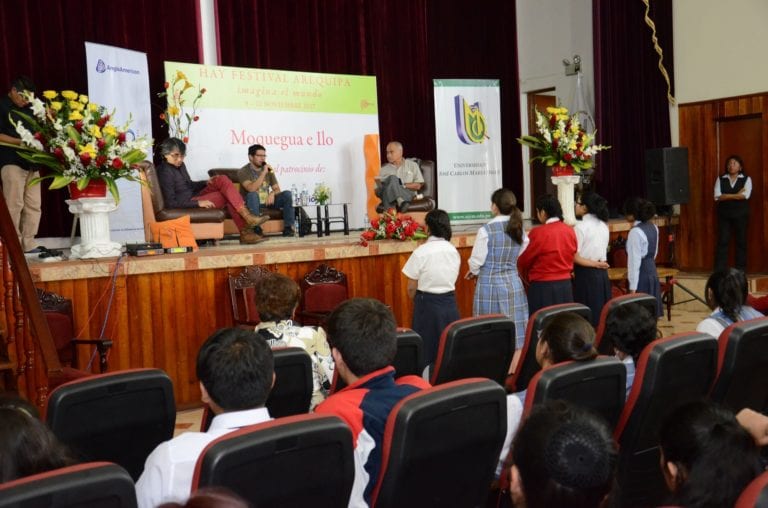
column 93, row 213
column 565, row 185
column 562, row 171
column 94, row 189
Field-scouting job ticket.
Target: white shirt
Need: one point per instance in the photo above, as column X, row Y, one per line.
column 747, row 185
column 435, row 265
column 637, row 247
column 169, row 468
column 714, row 327
column 592, row 238
column 514, row 416
column 480, row 248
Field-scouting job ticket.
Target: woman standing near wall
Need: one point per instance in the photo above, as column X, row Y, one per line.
column 732, row 190
column 591, row 285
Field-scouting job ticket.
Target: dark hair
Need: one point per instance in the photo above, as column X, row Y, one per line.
column 506, row 202
column 715, row 456
column 737, row 159
column 569, row 337
column 596, row 205
column 171, row 144
column 210, row 497
column 565, row 456
column 727, row 289
column 276, row 297
column 236, row 368
column 255, row 148
column 13, row 401
column 364, row 331
column 23, row 84
column 550, row 205
column 27, row 447
column 630, row 328
column 639, row 208
column 439, row 224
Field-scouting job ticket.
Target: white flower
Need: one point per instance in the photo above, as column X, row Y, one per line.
column 38, row 108
column 27, row 137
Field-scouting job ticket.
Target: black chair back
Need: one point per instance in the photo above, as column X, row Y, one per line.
column 89, row 485
column 670, row 372
column 480, row 346
column 315, row 452
column 292, row 392
column 441, row 446
column 117, row 417
column 527, row 366
column 742, row 379
column 598, row 385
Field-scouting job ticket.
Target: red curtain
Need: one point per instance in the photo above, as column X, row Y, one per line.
column 44, row 39
column 632, row 112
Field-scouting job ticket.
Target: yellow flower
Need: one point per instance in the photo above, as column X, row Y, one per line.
column 109, row 130
column 83, row 98
column 187, row 85
column 75, row 106
column 556, row 134
column 69, row 95
column 56, row 106
column 93, row 107
column 75, row 115
column 173, row 110
column 552, row 110
column 95, row 131
column 180, row 75
column 50, row 94
column 89, row 149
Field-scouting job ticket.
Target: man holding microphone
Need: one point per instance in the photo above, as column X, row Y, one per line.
column 259, row 187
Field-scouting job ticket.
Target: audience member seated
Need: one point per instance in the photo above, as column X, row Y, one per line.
column 179, row 191
column 27, row 447
column 756, row 424
column 399, row 180
column 630, row 328
column 566, row 337
column 362, row 336
column 563, row 456
column 236, row 372
column 726, row 294
column 276, row 298
column 707, row 458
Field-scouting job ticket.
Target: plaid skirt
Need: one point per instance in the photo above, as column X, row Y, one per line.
column 503, row 294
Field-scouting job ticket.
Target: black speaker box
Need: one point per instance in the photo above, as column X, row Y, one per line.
column 666, row 175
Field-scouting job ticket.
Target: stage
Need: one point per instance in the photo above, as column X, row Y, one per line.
column 158, row 310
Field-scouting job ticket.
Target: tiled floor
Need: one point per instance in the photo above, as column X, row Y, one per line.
column 685, row 317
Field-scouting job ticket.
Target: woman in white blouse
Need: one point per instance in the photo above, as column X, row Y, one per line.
column 591, row 286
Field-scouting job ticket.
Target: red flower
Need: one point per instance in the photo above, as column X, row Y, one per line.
column 71, row 143
column 369, row 235
column 166, row 85
column 162, row 116
column 567, row 156
column 101, row 122
column 101, row 160
column 85, row 158
column 195, row 118
column 101, row 143
column 79, row 126
column 117, row 163
column 202, row 91
column 375, row 223
column 39, row 136
column 58, row 153
column 363, row 243
column 121, row 138
column 552, row 121
column 554, row 143
column 186, row 139
column 391, row 227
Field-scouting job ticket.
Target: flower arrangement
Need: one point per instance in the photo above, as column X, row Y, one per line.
column 180, row 91
column 562, row 142
column 77, row 141
column 392, row 226
column 322, row 194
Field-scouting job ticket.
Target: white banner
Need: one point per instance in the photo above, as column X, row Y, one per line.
column 312, row 125
column 468, row 138
column 118, row 79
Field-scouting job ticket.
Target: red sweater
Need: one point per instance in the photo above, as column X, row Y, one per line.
column 549, row 255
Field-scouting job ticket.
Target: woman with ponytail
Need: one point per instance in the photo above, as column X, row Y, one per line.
column 726, row 293
column 591, row 285
column 493, row 263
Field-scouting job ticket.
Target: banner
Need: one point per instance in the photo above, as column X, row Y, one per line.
column 312, row 125
column 118, row 79
column 468, row 139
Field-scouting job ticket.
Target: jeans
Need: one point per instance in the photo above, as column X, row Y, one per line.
column 283, row 201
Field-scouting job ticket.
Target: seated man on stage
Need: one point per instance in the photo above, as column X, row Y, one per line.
column 179, row 191
column 362, row 336
column 399, row 180
column 235, row 369
column 259, row 187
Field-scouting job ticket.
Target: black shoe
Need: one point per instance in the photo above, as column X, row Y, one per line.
column 404, row 206
column 258, row 230
column 288, row 232
column 380, row 208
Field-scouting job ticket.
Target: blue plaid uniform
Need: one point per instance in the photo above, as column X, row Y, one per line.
column 499, row 289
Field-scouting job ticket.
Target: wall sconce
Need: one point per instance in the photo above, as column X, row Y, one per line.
column 574, row 68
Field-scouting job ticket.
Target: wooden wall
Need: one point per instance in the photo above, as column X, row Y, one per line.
column 161, row 319
column 713, row 130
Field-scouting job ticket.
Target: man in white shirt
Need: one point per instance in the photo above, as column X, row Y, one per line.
column 399, row 180
column 236, row 373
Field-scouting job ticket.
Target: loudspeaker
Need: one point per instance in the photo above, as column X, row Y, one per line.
column 666, row 175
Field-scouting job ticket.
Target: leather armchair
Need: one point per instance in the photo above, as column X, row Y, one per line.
column 428, row 201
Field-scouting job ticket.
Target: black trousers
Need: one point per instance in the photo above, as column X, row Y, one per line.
column 738, row 226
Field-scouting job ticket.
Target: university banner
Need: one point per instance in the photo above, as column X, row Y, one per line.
column 312, row 125
column 468, row 138
column 118, row 80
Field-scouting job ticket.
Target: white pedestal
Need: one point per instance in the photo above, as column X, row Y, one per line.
column 565, row 196
column 94, row 228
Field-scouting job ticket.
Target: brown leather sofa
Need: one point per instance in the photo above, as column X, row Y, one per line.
column 275, row 222
column 207, row 223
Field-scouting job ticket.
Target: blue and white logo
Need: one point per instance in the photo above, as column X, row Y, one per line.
column 101, row 66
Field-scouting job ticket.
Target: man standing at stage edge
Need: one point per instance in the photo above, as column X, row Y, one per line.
column 259, row 187
column 24, row 202
column 399, row 180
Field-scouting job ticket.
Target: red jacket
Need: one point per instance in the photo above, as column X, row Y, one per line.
column 549, row 255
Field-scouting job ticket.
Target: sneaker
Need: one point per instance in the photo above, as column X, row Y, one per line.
column 250, row 238
column 36, row 250
column 288, row 232
column 404, row 206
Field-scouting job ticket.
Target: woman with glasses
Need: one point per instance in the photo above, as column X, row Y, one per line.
column 591, row 286
column 180, row 191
